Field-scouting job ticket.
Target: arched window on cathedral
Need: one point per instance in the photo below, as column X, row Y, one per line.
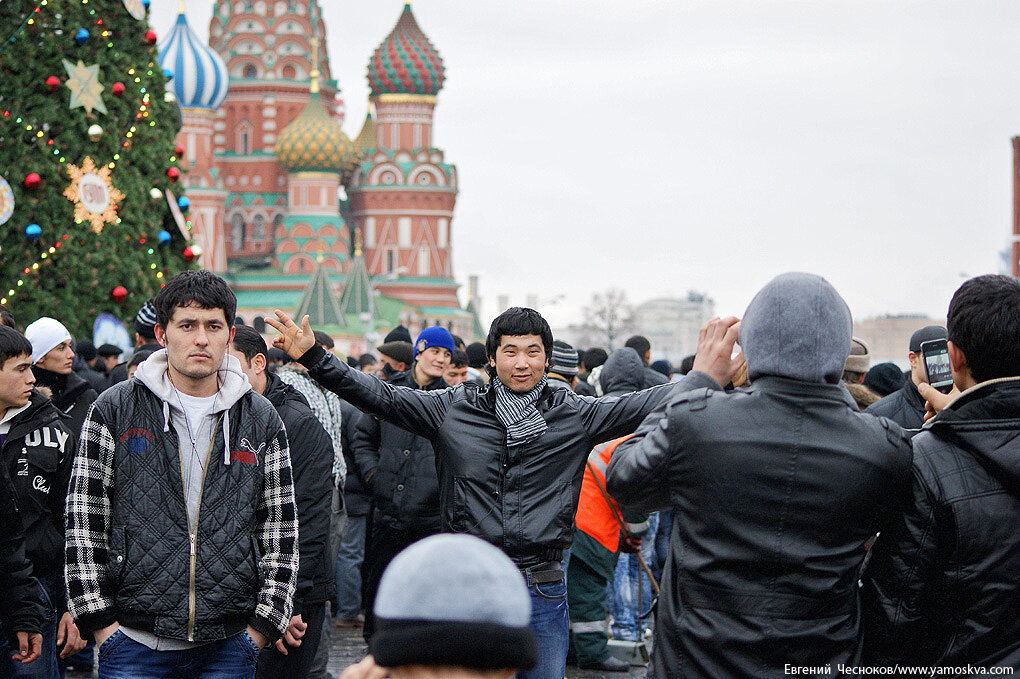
column 278, row 231
column 250, row 71
column 237, row 232
column 244, row 138
column 289, row 72
column 258, row 228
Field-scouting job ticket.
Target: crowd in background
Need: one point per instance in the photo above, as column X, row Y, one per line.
column 738, row 520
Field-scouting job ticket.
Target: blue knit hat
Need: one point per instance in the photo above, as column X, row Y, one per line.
column 436, row 336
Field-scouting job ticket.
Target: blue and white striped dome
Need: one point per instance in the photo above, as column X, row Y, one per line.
column 199, row 74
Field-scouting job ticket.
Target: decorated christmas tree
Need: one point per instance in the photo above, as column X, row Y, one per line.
column 92, row 218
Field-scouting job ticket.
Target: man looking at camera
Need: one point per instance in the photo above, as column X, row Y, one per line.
column 181, row 550
column 509, row 455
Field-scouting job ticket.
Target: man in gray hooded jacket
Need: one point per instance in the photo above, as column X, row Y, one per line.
column 776, row 489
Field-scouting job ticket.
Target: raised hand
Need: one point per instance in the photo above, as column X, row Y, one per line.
column 715, row 349
column 293, row 340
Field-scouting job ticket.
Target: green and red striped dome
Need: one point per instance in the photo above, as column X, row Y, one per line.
column 406, row 62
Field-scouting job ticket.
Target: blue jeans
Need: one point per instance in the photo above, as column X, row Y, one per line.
column 551, row 624
column 232, row 658
column 43, row 667
column 348, row 567
column 631, row 586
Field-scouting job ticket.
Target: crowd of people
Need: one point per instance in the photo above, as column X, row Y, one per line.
column 211, row 504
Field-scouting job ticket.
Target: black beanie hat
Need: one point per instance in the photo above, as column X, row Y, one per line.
column 398, row 334
column 884, row 378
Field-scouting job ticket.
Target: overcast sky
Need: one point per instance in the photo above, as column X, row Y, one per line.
column 712, row 144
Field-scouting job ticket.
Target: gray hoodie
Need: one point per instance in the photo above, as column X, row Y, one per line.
column 797, row 327
column 233, row 384
column 622, row 372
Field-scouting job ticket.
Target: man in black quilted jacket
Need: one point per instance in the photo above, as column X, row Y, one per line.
column 181, row 551
column 943, row 587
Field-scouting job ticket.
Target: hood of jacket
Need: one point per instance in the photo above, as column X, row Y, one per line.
column 622, row 372
column 279, row 392
column 798, row 327
column 233, row 384
column 40, row 412
column 65, row 388
column 984, row 420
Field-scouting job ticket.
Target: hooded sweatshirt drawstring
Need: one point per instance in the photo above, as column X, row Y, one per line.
column 233, row 385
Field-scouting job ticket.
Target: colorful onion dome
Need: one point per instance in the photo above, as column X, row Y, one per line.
column 199, row 74
column 314, row 140
column 406, row 62
column 366, row 139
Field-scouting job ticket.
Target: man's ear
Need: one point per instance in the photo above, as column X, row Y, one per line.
column 258, row 363
column 913, row 358
column 957, row 359
column 160, row 335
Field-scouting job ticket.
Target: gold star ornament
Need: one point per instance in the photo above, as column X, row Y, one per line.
column 93, row 194
column 86, row 90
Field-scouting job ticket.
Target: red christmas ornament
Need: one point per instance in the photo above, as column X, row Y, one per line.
column 52, row 83
column 174, row 174
column 150, row 37
column 189, row 255
column 32, row 181
column 117, row 89
column 119, row 294
column 179, row 151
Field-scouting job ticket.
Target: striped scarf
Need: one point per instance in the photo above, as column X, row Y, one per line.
column 517, row 412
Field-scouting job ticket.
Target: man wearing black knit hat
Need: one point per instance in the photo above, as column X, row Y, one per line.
column 145, row 340
column 905, row 406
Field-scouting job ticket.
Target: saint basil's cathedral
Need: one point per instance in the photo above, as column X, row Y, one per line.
column 293, row 213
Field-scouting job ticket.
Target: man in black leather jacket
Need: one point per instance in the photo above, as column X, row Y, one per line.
column 905, row 406
column 510, row 454
column 943, row 586
column 400, row 469
column 776, row 488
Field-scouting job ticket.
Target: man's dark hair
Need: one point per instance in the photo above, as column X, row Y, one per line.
column 458, row 342
column 687, row 364
column 593, row 358
column 139, row 357
column 366, row 360
column 323, row 339
column 640, row 344
column 12, row 344
column 203, row 289
column 7, row 318
column 517, row 321
column 250, row 343
column 984, row 323
column 277, row 356
column 460, row 358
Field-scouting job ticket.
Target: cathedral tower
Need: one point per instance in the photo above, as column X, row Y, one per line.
column 402, row 193
column 200, row 84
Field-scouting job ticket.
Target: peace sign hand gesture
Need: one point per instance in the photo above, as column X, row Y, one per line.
column 293, row 340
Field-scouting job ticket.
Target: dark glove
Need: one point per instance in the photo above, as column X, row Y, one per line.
column 629, row 544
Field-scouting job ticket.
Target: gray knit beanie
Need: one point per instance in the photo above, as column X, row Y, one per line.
column 453, row 600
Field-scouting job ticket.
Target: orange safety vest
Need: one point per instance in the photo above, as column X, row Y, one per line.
column 594, row 515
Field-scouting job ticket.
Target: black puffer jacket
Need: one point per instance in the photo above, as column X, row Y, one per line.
column 521, row 498
column 399, row 468
column 904, row 406
column 776, row 489
column 311, row 460
column 38, row 454
column 357, row 496
column 943, row 586
column 71, row 394
column 21, row 607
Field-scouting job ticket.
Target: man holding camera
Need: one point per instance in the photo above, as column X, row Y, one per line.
column 942, row 586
